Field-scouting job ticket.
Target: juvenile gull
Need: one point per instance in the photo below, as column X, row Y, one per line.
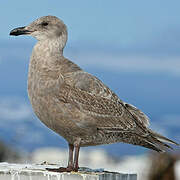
column 76, row 104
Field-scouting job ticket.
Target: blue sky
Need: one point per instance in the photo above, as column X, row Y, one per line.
column 133, row 46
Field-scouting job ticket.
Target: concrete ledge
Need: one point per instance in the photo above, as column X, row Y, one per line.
column 38, row 172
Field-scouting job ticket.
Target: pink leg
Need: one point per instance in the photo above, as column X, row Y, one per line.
column 72, row 166
column 76, row 156
column 70, row 162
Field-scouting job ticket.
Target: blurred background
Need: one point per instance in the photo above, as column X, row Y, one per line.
column 132, row 46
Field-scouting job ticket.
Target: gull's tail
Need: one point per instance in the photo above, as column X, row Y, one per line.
column 159, row 142
column 163, row 139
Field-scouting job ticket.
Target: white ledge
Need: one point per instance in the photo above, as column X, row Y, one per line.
column 38, row 172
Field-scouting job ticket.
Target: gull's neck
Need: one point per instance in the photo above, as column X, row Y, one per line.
column 50, row 48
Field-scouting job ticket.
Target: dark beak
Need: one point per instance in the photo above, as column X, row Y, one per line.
column 19, row 31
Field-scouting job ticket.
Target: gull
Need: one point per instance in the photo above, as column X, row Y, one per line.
column 75, row 104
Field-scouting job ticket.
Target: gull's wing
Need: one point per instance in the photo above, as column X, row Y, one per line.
column 96, row 100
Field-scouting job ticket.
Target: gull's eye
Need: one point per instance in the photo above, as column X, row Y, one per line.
column 44, row 23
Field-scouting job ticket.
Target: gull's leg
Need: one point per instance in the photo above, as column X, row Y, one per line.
column 70, row 162
column 76, row 156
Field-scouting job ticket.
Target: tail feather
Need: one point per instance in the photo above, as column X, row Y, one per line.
column 150, row 139
column 163, row 139
column 155, row 142
column 149, row 142
column 151, row 145
column 159, row 141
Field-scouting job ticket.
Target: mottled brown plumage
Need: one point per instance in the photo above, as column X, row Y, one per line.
column 74, row 103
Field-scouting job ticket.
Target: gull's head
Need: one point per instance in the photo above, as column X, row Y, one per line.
column 44, row 28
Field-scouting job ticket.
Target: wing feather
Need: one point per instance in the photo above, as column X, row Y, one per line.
column 96, row 100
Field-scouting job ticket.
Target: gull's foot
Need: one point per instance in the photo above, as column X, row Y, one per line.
column 62, row 169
